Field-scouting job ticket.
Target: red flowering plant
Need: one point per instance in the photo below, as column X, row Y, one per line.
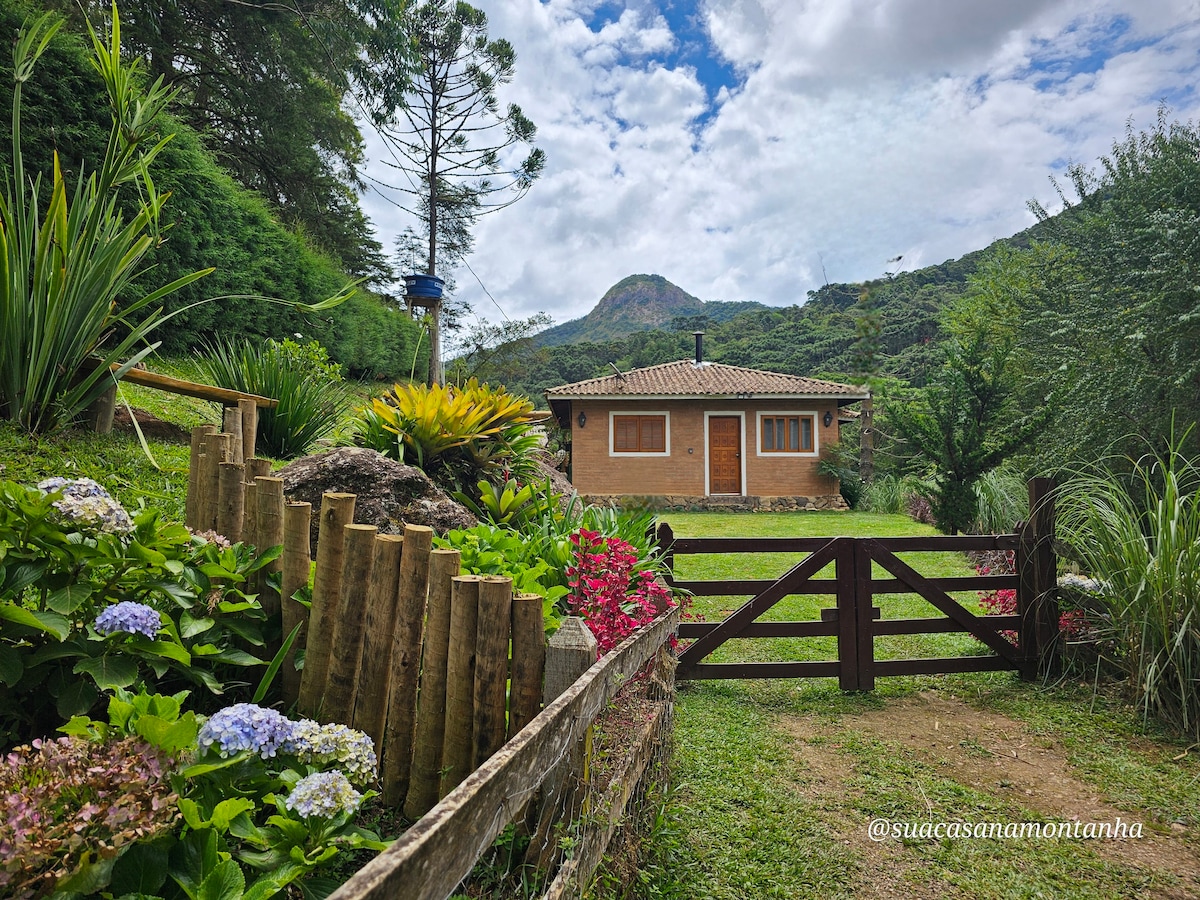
column 608, row 591
column 1073, row 623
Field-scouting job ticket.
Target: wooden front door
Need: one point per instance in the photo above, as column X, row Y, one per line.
column 725, row 455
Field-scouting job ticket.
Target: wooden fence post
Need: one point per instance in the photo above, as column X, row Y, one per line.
column 666, row 538
column 231, row 500
column 297, row 562
column 346, row 646
column 491, row 667
column 216, row 451
column 846, row 614
column 337, row 511
column 1044, row 567
column 268, row 517
column 231, row 417
column 370, row 704
column 406, row 663
column 255, row 468
column 528, row 661
column 249, row 411
column 430, row 734
column 570, row 653
column 460, row 681
column 192, row 506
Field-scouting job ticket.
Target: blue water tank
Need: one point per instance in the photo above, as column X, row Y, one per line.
column 417, row 285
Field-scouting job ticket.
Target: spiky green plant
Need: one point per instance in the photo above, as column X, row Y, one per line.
column 63, row 270
column 455, row 434
column 1139, row 536
column 308, row 388
column 1003, row 501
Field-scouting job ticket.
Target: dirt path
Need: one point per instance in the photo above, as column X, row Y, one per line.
column 988, row 753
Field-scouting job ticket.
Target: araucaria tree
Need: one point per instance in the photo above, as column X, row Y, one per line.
column 462, row 155
column 965, row 423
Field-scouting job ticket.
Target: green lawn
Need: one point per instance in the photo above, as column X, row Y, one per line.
column 774, row 782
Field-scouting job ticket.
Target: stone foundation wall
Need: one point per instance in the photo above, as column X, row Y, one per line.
column 703, row 504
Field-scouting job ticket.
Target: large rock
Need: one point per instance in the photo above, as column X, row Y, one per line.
column 390, row 494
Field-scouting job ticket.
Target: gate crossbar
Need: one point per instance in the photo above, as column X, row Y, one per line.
column 737, row 621
column 971, row 623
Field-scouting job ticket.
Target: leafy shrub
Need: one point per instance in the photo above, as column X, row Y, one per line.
column 301, row 377
column 264, row 800
column 840, row 461
column 612, row 597
column 1139, row 537
column 69, row 808
column 92, row 599
column 496, row 550
column 456, row 435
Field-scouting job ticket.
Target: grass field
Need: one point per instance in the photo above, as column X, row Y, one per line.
column 775, row 782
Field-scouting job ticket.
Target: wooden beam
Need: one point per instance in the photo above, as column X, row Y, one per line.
column 191, row 388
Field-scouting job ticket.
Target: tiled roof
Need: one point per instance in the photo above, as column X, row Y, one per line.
column 686, row 379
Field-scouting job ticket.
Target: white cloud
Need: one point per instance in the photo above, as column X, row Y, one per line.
column 860, row 129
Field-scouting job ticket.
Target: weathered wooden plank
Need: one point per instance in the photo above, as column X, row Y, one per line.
column 751, row 586
column 756, row 606
column 707, row 671
column 686, row 546
column 763, row 629
column 434, row 856
column 939, row 626
column 864, row 613
column 940, row 542
column 577, row 871
column 162, row 382
column 939, row 666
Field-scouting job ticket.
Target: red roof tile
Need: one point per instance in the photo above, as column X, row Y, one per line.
column 686, row 379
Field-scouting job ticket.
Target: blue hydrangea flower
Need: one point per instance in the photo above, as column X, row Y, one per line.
column 129, row 617
column 353, row 750
column 85, row 502
column 245, row 726
column 324, row 794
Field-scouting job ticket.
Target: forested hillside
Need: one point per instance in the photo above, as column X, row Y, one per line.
column 816, row 338
column 214, row 221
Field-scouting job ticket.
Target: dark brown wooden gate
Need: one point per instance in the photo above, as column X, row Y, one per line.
column 855, row 619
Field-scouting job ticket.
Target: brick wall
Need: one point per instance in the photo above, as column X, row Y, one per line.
column 596, row 472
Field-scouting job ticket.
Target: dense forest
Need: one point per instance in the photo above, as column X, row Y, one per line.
column 262, row 236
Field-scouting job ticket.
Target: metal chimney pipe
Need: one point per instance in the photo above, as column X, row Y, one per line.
column 699, row 346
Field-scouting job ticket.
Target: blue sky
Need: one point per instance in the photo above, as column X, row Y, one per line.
column 741, row 148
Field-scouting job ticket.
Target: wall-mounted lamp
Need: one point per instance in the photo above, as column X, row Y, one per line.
column 828, row 419
column 582, row 420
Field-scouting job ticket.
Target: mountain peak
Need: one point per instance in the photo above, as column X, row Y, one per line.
column 635, row 303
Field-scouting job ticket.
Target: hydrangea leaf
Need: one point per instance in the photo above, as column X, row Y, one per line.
column 11, row 665
column 45, row 621
column 109, row 672
column 68, row 599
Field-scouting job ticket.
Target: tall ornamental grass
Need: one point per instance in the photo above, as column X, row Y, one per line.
column 312, row 399
column 1003, row 496
column 64, row 267
column 1138, row 535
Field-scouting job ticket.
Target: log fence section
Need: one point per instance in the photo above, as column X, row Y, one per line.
column 431, row 859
